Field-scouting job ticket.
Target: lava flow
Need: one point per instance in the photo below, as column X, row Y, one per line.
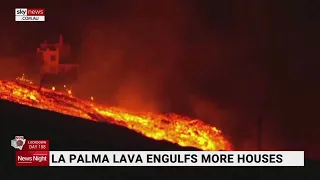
column 183, row 131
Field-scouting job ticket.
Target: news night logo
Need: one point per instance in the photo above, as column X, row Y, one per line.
column 29, row 14
column 31, row 152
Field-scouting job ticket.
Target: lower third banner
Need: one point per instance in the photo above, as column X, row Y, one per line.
column 159, row 158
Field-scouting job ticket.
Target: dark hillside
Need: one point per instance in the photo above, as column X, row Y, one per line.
column 70, row 133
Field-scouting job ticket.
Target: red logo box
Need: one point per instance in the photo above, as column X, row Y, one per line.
column 32, row 158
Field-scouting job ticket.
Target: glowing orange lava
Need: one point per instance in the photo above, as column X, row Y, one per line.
column 170, row 127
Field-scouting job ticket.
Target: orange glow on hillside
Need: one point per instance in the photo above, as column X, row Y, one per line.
column 170, row 127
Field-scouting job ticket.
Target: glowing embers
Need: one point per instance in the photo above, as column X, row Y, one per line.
column 173, row 128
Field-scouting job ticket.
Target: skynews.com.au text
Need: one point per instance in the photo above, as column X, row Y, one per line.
column 29, row 14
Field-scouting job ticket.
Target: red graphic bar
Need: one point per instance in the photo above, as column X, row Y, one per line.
column 32, row 158
column 35, row 12
column 36, row 145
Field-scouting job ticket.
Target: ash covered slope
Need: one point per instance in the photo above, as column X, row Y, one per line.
column 71, row 133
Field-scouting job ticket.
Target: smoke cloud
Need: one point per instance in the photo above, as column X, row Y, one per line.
column 162, row 57
column 10, row 68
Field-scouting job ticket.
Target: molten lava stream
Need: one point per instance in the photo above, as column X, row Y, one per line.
column 177, row 129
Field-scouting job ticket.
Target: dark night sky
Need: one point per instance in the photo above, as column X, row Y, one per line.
column 228, row 60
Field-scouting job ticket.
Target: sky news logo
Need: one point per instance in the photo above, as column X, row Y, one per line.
column 29, row 14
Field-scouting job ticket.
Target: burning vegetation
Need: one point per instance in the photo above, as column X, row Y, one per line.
column 170, row 127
